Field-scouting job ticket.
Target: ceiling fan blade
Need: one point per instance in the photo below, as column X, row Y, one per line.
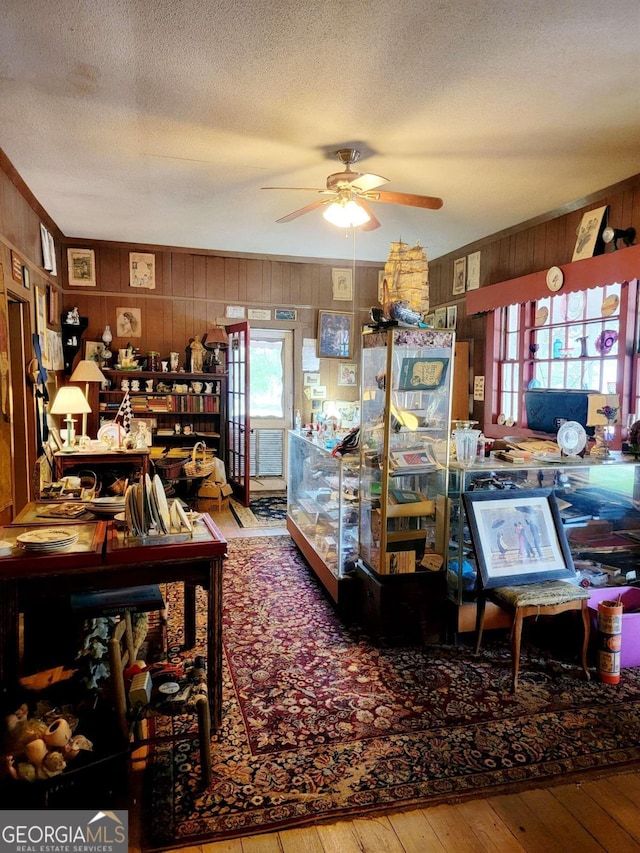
column 410, row 199
column 364, row 183
column 307, row 209
column 373, row 223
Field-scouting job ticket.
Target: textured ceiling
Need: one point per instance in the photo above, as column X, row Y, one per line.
column 158, row 122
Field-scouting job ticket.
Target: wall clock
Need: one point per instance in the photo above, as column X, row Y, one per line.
column 555, row 279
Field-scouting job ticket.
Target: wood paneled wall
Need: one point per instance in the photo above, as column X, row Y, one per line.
column 194, row 287
column 529, row 247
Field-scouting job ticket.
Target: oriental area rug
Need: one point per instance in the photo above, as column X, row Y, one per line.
column 320, row 724
column 264, row 511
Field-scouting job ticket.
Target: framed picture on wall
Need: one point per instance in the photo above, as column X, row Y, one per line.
column 142, row 270
column 347, row 373
column 459, row 276
column 335, row 332
column 589, row 239
column 81, row 265
column 342, row 284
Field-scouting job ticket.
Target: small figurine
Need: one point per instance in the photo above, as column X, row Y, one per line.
column 197, row 354
column 73, row 317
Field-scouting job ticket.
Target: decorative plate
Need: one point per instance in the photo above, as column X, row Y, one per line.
column 110, row 433
column 572, row 438
column 542, row 315
column 575, row 305
column 605, row 341
column 609, row 305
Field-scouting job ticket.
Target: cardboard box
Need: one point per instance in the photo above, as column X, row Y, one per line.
column 630, row 596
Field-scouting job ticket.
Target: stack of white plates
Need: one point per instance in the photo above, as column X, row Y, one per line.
column 47, row 539
column 108, row 506
column 146, row 509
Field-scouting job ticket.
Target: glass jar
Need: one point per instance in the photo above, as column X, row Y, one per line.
column 153, row 360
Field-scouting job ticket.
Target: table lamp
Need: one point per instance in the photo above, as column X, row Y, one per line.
column 87, row 371
column 603, row 412
column 215, row 339
column 69, row 401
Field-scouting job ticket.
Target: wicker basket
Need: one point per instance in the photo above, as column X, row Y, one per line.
column 170, row 469
column 201, row 463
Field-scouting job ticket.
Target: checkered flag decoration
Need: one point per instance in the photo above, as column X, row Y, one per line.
column 123, row 416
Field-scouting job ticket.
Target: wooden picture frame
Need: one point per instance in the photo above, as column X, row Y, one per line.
column 589, row 240
column 459, row 276
column 452, row 316
column 518, row 537
column 342, row 279
column 54, row 305
column 440, row 318
column 335, row 333
column 81, row 267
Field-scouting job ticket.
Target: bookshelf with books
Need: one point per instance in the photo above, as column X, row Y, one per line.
column 183, row 407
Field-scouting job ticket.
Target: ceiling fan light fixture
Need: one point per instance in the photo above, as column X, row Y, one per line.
column 346, row 213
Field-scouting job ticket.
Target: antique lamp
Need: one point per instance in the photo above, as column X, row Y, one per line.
column 87, row 371
column 69, row 401
column 215, row 339
column 603, row 413
column 107, row 337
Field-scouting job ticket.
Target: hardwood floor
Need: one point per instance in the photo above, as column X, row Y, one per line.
column 598, row 815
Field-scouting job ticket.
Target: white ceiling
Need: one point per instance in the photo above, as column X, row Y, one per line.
column 158, row 121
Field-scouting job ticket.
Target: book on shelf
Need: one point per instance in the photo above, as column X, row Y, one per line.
column 416, row 460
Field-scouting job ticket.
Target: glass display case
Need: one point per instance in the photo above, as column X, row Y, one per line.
column 322, row 512
column 599, row 502
column 407, row 376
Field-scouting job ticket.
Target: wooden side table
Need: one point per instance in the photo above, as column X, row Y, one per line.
column 65, row 462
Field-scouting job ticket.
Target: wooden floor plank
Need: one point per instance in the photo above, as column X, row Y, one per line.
column 594, row 818
column 452, row 830
column 232, row 845
column 305, row 840
column 563, row 826
column 339, row 838
column 265, row 843
column 622, row 809
column 524, row 824
column 488, row 827
column 376, row 835
column 415, row 832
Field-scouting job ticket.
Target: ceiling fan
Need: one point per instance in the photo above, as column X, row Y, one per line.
column 349, row 194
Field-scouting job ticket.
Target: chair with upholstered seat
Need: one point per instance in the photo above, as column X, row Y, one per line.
column 527, row 572
column 546, row 598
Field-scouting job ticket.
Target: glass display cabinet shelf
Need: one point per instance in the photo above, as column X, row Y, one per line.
column 599, row 502
column 322, row 513
column 404, row 439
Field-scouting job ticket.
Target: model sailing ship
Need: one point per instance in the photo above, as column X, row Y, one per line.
column 404, row 290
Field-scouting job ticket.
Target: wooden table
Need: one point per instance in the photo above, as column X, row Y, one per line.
column 104, row 558
column 97, row 459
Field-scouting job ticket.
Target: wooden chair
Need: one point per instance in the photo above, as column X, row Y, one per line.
column 122, row 654
column 545, row 598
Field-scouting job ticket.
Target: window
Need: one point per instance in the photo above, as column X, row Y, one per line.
column 572, row 340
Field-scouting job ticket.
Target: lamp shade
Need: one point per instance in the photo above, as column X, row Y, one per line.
column 603, row 409
column 216, row 337
column 87, row 371
column 346, row 213
column 69, row 401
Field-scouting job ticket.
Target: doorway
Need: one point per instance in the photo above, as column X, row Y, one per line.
column 270, row 406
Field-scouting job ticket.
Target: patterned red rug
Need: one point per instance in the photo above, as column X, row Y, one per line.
column 320, row 724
